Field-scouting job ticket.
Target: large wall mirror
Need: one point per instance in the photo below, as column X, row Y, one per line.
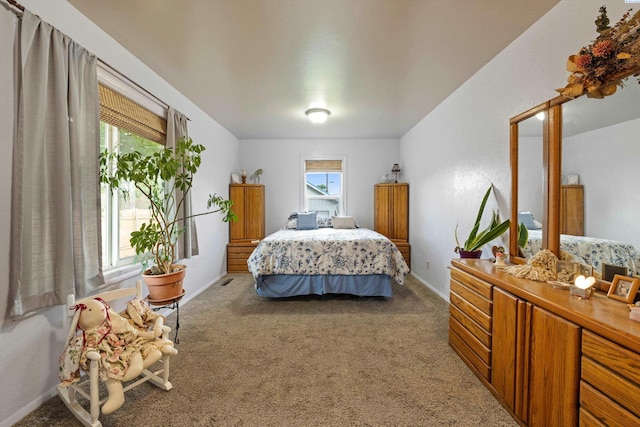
column 601, row 153
column 529, row 142
column 589, row 206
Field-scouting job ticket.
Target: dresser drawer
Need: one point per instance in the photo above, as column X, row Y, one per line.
column 598, row 409
column 405, row 250
column 238, row 250
column 237, row 256
column 467, row 346
column 479, row 286
column 482, row 334
column 478, row 316
column 587, row 419
column 613, row 356
column 612, row 370
column 480, row 302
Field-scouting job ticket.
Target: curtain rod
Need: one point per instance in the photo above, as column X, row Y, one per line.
column 15, row 4
column 108, row 67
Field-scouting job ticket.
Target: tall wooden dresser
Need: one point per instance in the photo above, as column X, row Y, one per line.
column 572, row 210
column 391, row 215
column 248, row 230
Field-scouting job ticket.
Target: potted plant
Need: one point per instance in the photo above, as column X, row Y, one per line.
column 164, row 178
column 477, row 239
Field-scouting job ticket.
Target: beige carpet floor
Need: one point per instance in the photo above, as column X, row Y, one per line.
column 307, row 361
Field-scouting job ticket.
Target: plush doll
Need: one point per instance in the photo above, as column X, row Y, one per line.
column 125, row 350
column 141, row 317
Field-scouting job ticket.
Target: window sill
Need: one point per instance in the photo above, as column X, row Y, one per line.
column 121, row 274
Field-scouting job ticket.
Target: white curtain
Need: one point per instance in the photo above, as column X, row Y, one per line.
column 55, row 221
column 188, row 242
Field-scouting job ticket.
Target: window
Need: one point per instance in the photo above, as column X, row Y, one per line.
column 120, row 216
column 125, row 126
column 324, row 186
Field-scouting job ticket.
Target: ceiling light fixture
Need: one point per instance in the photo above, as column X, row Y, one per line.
column 318, row 115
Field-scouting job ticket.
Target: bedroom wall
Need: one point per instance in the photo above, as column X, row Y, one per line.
column 31, row 347
column 453, row 154
column 281, row 161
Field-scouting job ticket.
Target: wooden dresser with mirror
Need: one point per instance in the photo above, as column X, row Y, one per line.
column 551, row 358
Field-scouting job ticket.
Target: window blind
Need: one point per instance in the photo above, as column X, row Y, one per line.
column 323, row 165
column 125, row 114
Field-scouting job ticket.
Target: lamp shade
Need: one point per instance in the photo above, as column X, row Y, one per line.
column 396, row 170
column 318, row 115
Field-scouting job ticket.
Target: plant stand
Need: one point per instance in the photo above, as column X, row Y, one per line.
column 171, row 304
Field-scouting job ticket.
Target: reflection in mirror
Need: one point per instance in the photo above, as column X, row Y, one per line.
column 530, row 171
column 600, row 145
column 530, row 179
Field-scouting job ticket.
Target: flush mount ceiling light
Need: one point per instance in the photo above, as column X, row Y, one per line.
column 317, row 115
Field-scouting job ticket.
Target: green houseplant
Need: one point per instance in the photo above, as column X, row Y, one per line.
column 164, row 179
column 477, row 238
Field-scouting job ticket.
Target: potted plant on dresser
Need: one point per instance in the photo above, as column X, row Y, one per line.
column 164, row 179
column 477, row 239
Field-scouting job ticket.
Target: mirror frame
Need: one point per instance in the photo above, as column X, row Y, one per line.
column 551, row 175
column 514, row 252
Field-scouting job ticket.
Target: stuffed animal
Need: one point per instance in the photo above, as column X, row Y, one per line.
column 144, row 319
column 125, row 343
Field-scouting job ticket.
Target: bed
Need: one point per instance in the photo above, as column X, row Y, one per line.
column 357, row 261
column 591, row 251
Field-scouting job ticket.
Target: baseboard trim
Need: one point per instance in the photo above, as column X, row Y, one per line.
column 432, row 288
column 26, row 410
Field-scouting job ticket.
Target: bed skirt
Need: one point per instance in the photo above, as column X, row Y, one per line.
column 284, row 285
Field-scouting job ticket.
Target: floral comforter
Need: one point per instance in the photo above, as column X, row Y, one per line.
column 328, row 251
column 591, row 251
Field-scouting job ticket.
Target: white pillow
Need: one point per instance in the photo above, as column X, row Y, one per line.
column 344, row 222
column 291, row 224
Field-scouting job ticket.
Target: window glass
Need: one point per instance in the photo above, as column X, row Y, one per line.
column 324, row 186
column 121, row 215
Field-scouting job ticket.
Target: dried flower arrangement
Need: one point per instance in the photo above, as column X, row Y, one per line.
column 603, row 65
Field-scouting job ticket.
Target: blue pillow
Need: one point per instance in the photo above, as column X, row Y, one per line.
column 307, row 221
column 527, row 219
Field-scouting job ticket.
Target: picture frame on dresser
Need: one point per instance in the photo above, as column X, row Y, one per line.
column 624, row 288
column 610, row 270
column 566, row 271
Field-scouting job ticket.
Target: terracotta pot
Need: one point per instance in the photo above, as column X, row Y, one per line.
column 473, row 254
column 165, row 287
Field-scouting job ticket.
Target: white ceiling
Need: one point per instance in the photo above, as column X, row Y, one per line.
column 255, row 66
